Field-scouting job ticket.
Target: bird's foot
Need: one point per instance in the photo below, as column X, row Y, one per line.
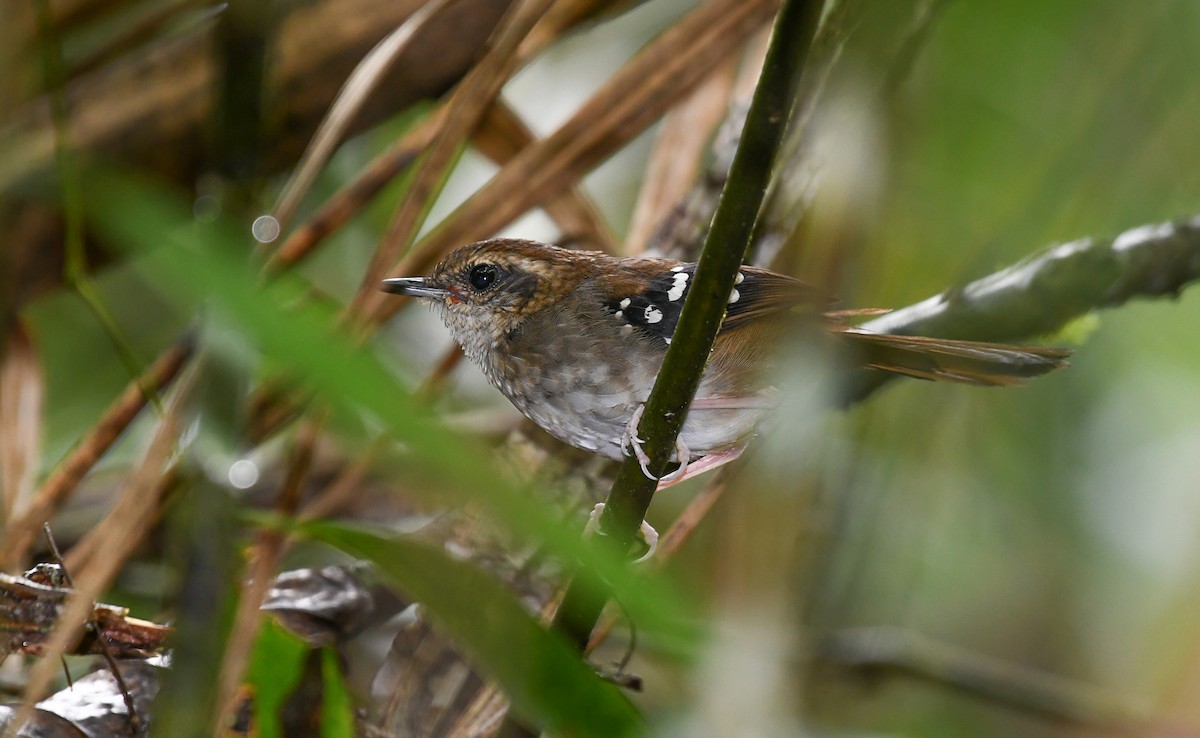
column 631, row 443
column 649, row 535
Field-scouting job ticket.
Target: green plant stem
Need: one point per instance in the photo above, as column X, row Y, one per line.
column 704, row 308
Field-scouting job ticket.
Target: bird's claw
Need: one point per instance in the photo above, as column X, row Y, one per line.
column 631, row 442
column 649, row 535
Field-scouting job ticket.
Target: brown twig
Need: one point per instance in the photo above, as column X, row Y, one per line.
column 343, row 488
column 347, row 105
column 349, row 200
column 22, row 388
column 268, row 553
column 677, row 154
column 501, row 137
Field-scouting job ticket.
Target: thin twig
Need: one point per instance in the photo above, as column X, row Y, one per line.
column 345, row 107
column 125, row 526
column 677, row 155
column 268, row 554
column 350, row 199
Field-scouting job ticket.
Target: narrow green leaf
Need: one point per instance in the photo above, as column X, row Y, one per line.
column 275, row 669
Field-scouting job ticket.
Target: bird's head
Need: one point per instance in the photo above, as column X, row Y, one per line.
column 487, row 289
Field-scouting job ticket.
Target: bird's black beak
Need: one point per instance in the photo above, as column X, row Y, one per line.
column 414, row 287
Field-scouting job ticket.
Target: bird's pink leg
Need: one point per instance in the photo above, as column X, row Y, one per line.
column 687, row 468
column 649, row 535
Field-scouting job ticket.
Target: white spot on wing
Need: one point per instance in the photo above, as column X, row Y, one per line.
column 668, row 340
column 734, row 296
column 624, row 303
column 680, row 286
column 679, row 268
column 653, row 314
column 740, row 278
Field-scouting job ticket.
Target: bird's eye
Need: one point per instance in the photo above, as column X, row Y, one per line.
column 482, row 276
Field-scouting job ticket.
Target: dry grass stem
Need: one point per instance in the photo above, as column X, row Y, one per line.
column 123, row 528
column 343, row 488
column 464, row 111
column 502, row 136
column 267, row 555
column 349, row 200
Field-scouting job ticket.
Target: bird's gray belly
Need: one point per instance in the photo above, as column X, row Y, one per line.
column 589, row 407
column 585, row 406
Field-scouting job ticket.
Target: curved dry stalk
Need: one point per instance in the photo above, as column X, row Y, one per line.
column 501, row 137
column 22, row 388
column 351, row 198
column 267, row 557
column 349, row 101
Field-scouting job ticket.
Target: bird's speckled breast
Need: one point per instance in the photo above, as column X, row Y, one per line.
column 560, row 371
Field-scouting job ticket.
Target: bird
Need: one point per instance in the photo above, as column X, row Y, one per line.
column 575, row 339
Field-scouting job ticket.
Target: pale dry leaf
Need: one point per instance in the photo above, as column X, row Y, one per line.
column 675, row 160
column 22, row 389
column 346, row 106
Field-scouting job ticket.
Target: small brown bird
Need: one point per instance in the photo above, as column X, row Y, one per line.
column 575, row 339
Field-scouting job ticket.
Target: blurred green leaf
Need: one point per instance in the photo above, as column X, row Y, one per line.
column 274, row 671
column 539, row 672
column 337, row 709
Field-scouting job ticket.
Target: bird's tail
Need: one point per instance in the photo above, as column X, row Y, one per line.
column 949, row 360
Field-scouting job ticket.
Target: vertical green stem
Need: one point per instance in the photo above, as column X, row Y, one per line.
column 704, row 308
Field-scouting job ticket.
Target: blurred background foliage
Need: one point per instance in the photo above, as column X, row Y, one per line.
column 1055, row 527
